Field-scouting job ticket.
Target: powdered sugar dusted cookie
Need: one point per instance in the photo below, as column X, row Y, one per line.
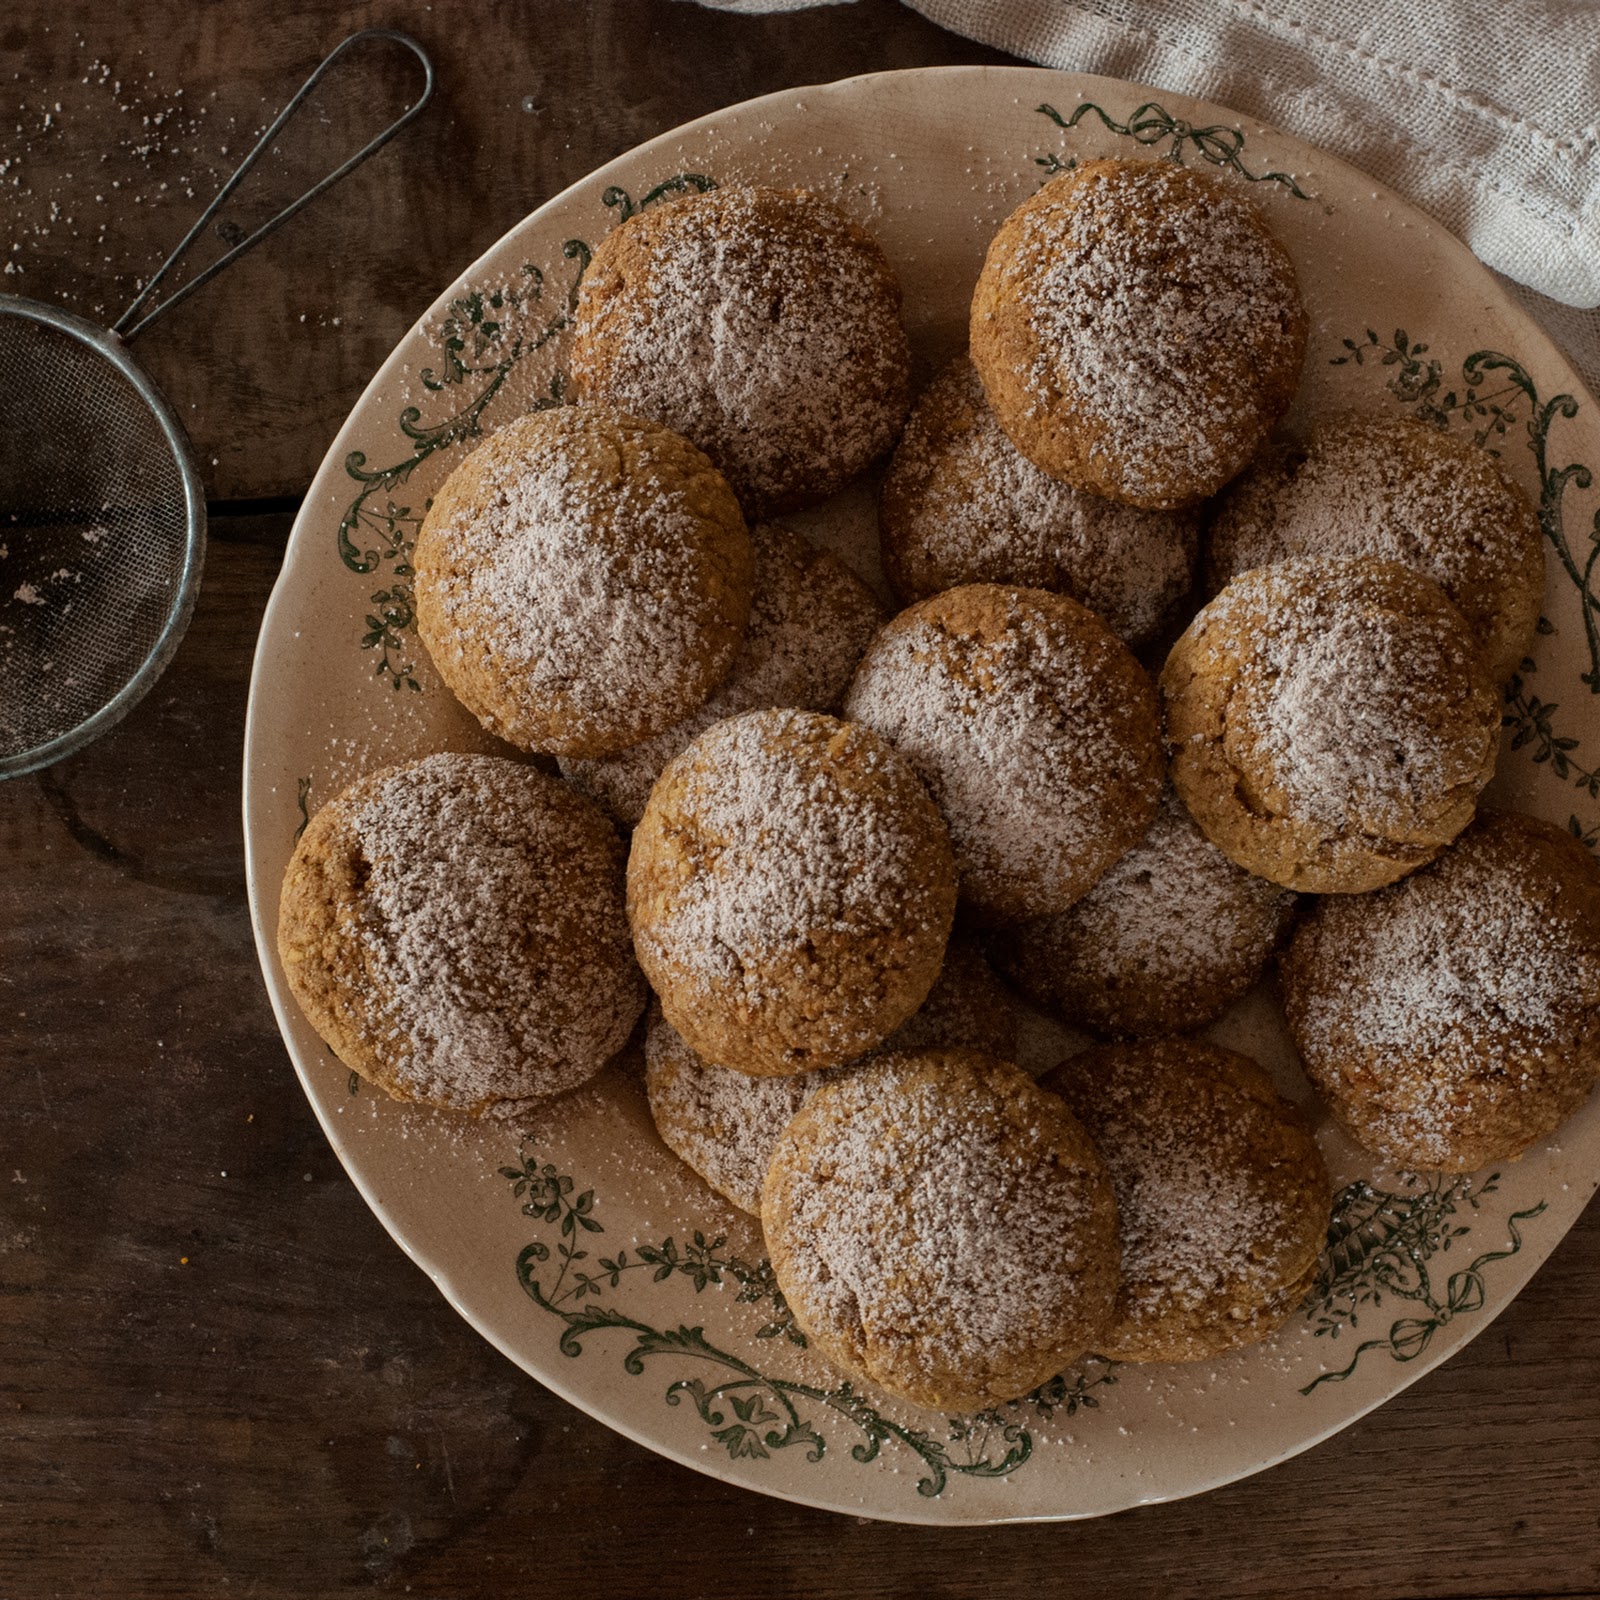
column 1138, row 330
column 1453, row 1019
column 791, row 890
column 961, row 505
column 1222, row 1196
column 1165, row 942
column 454, row 928
column 1400, row 490
column 1331, row 723
column 761, row 323
column 809, row 623
column 1035, row 730
column 942, row 1227
column 583, row 580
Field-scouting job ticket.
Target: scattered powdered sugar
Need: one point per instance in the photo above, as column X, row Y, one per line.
column 810, row 622
column 759, row 323
column 801, row 827
column 1145, row 289
column 1026, row 729
column 579, row 566
column 80, row 154
column 492, row 929
column 937, row 1229
column 963, row 505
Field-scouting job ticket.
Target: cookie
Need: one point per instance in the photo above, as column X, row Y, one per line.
column 809, row 624
column 1402, row 491
column 724, row 1124
column 454, row 928
column 1331, row 723
column 943, row 1228
column 583, row 581
column 1453, row 1019
column 1035, row 730
column 1138, row 330
column 1223, row 1198
column 761, row 323
column 1164, row 943
column 791, row 891
column 960, row 505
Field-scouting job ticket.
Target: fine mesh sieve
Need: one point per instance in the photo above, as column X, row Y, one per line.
column 102, row 514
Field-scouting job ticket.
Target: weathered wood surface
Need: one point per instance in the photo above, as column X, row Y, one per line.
column 217, row 1373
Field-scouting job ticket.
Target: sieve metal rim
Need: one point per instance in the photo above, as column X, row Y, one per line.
column 110, row 347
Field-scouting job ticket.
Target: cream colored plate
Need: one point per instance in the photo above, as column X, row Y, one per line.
column 661, row 1322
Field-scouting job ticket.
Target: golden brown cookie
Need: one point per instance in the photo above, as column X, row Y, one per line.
column 810, row 622
column 1138, row 330
column 942, row 1227
column 1035, row 730
column 1331, row 723
column 960, row 505
column 761, row 323
column 1453, row 1019
column 791, row 889
column 1165, row 942
column 1223, row 1198
column 454, row 928
column 724, row 1123
column 1402, row 491
column 583, row 580
column 720, row 1122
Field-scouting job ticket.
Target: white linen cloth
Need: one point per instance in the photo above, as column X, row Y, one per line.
column 1486, row 113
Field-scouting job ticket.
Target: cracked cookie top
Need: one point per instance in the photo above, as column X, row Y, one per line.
column 1330, row 723
column 1138, row 330
column 944, row 1227
column 454, row 929
column 791, row 890
column 761, row 323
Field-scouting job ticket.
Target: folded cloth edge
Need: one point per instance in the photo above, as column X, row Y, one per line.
column 1506, row 226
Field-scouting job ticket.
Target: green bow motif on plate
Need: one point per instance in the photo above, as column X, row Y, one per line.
column 1152, row 123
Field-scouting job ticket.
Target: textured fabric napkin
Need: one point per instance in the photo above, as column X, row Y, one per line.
column 1486, row 113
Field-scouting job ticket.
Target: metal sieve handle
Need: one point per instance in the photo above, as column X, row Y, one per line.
column 122, row 328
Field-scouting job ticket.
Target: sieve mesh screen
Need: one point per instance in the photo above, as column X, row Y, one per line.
column 94, row 533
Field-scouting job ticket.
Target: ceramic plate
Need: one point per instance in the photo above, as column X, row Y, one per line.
column 582, row 1249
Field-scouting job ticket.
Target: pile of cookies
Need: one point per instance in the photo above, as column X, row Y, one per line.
column 839, row 819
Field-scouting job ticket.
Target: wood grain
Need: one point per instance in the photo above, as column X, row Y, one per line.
column 217, row 1373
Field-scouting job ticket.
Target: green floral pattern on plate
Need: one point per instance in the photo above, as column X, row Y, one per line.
column 749, row 1411
column 1382, row 1242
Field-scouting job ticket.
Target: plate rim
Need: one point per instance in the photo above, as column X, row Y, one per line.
column 329, row 473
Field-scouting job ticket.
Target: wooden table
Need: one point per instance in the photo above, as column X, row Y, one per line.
column 217, row 1374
